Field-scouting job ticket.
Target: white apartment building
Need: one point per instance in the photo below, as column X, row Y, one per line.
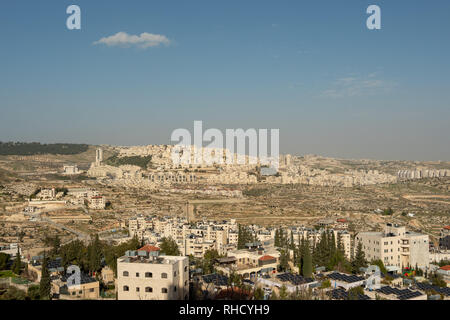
column 97, row 202
column 396, row 247
column 47, row 193
column 69, row 170
column 146, row 275
column 193, row 239
column 195, row 246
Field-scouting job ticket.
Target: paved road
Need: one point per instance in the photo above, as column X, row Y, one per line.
column 80, row 235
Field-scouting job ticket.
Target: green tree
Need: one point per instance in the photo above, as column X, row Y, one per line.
column 277, row 238
column 291, row 242
column 380, row 265
column 13, row 293
column 307, row 262
column 95, row 255
column 56, row 244
column 353, row 293
column 4, row 260
column 17, row 264
column 359, row 259
column 258, row 294
column 284, row 260
column 437, row 280
column 208, row 261
column 44, row 285
column 34, row 292
column 283, row 293
column 325, row 284
column 169, row 247
column 273, row 296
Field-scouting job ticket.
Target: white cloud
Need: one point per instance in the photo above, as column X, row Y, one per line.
column 358, row 86
column 144, row 40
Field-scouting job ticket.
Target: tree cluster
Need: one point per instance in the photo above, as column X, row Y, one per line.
column 34, row 148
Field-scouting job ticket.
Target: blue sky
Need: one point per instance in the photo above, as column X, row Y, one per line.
column 310, row 68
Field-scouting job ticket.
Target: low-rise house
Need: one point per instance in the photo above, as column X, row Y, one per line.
column 35, row 267
column 250, row 262
column 107, row 275
column 391, row 293
column 68, row 286
column 345, row 281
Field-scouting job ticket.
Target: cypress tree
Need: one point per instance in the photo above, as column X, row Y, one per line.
column 241, row 240
column 307, row 262
column 44, row 285
column 17, row 265
column 359, row 259
column 292, row 244
column 332, row 245
column 95, row 255
column 340, row 246
column 277, row 238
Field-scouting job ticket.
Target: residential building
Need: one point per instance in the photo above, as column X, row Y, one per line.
column 146, row 275
column 396, row 247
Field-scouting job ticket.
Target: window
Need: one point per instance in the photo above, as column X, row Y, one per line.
column 125, row 273
column 164, row 275
column 137, row 289
column 148, row 275
column 185, row 269
column 91, row 290
column 175, row 289
column 186, row 283
column 148, row 289
column 126, row 288
column 175, row 274
column 164, row 290
column 137, row 274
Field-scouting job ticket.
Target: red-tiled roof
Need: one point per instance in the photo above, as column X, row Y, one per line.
column 446, row 268
column 266, row 257
column 149, row 248
column 341, row 220
column 447, row 227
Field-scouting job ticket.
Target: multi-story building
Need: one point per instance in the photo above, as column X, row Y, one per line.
column 444, row 239
column 396, row 247
column 97, row 202
column 146, row 275
column 47, row 194
column 70, row 170
column 11, row 249
column 193, row 239
column 196, row 246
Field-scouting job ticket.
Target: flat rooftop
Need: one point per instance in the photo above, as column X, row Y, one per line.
column 151, row 259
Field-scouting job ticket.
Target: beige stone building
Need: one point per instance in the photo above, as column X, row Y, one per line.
column 396, row 247
column 87, row 289
column 146, row 275
column 97, row 202
column 249, row 262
